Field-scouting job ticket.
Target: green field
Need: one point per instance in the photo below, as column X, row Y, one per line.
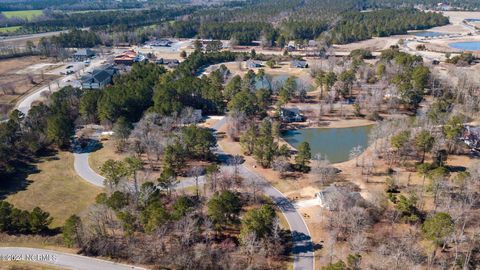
column 9, row 29
column 23, row 14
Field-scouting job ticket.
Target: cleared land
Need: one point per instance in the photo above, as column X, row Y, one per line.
column 56, row 188
column 20, row 76
column 23, row 14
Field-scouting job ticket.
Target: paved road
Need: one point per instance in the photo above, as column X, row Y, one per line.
column 29, row 37
column 60, row 259
column 26, row 103
column 302, row 244
column 82, row 167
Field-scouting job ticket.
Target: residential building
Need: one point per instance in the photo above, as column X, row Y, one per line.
column 159, row 43
column 253, row 64
column 98, row 78
column 334, row 198
column 83, row 54
column 171, row 63
column 126, row 58
column 291, row 46
column 291, row 115
column 299, row 64
column 312, row 43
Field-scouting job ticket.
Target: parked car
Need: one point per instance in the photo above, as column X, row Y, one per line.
column 69, row 67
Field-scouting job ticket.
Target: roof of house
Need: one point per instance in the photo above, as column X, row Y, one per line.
column 84, row 52
column 98, row 75
column 166, row 61
column 291, row 110
column 126, row 55
column 312, row 43
column 334, row 197
column 161, row 42
column 299, row 63
column 253, row 63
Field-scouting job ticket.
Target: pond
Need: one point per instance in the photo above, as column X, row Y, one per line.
column 335, row 143
column 467, row 46
column 429, row 34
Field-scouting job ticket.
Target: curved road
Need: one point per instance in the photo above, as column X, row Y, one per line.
column 82, row 167
column 302, row 244
column 60, row 259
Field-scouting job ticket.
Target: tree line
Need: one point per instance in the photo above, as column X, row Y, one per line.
column 26, row 137
column 380, row 23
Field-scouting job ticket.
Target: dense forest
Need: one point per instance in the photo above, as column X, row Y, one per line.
column 381, row 23
column 271, row 22
column 116, row 19
column 8, row 5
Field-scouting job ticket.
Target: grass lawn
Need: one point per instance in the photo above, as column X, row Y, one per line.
column 9, row 29
column 23, row 14
column 97, row 158
column 57, row 189
column 21, row 265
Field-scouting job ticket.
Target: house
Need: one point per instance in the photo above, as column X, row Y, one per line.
column 159, row 43
column 312, row 43
column 443, row 6
column 291, row 46
column 253, row 64
column 123, row 44
column 126, row 58
column 299, row 64
column 334, row 198
column 83, row 54
column 291, row 115
column 140, row 58
column 98, row 78
column 171, row 63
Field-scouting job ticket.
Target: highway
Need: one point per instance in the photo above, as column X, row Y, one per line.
column 29, row 37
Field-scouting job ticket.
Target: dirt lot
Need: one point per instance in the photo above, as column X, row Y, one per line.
column 20, row 76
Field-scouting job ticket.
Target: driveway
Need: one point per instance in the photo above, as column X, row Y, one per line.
column 60, row 259
column 82, row 167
